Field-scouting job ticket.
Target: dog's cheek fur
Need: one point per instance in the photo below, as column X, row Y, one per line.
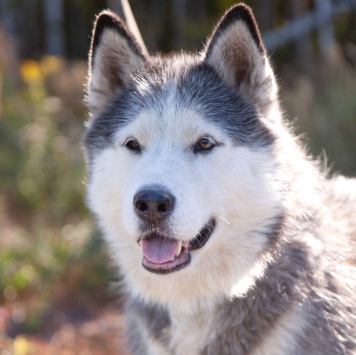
column 252, row 203
column 107, row 188
column 107, row 196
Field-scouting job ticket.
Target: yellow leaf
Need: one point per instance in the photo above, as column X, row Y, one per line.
column 30, row 71
column 22, row 346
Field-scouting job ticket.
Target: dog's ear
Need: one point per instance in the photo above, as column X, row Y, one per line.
column 114, row 56
column 236, row 52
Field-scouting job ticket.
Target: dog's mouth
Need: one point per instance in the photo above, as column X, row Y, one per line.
column 163, row 255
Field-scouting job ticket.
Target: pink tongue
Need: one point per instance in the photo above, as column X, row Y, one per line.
column 159, row 250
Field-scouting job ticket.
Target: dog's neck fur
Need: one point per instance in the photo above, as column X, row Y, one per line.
column 240, row 324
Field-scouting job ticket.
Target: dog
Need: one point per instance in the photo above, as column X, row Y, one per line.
column 230, row 239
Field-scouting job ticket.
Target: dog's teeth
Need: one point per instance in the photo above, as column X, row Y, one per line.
column 179, row 248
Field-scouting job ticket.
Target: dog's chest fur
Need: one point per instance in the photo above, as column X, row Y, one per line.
column 190, row 331
column 200, row 333
column 166, row 332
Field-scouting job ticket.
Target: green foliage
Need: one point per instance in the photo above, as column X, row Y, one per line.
column 49, row 250
column 334, row 123
column 326, row 114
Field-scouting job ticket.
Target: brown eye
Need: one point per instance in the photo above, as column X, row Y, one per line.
column 204, row 145
column 133, row 145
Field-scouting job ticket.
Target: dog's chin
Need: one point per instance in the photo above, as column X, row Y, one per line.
column 164, row 255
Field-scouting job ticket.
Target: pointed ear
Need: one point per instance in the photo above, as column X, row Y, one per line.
column 114, row 56
column 236, row 52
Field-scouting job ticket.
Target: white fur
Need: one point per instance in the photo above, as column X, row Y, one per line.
column 190, row 331
column 246, row 207
column 245, row 188
column 282, row 338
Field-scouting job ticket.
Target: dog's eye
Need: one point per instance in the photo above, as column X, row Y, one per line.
column 204, row 144
column 133, row 145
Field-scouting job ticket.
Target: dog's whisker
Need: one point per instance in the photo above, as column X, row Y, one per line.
column 224, row 219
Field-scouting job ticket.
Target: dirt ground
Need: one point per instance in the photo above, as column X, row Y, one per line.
column 98, row 335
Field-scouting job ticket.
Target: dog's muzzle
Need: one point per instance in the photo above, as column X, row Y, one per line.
column 163, row 254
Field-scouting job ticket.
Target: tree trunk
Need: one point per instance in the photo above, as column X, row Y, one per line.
column 265, row 11
column 326, row 36
column 179, row 21
column 54, row 41
column 303, row 45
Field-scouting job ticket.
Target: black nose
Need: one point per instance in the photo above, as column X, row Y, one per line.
column 153, row 204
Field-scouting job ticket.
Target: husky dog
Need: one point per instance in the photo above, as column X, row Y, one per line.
column 229, row 238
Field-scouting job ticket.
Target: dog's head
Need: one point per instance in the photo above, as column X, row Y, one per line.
column 181, row 162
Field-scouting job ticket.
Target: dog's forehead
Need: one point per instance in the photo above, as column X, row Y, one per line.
column 172, row 123
column 192, row 95
column 175, row 97
column 189, row 91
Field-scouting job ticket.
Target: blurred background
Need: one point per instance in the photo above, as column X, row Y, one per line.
column 59, row 293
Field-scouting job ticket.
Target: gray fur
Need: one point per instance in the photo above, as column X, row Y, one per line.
column 293, row 278
column 195, row 84
column 309, row 245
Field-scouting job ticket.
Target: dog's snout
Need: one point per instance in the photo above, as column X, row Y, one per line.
column 153, row 204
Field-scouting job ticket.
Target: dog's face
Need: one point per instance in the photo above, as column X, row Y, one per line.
column 181, row 163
